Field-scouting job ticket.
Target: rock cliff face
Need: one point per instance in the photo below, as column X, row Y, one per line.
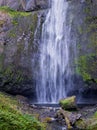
column 18, row 48
column 19, row 44
column 25, row 5
column 83, row 18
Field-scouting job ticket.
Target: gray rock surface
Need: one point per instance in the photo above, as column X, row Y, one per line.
column 25, row 5
column 31, row 5
column 17, row 51
column 13, row 4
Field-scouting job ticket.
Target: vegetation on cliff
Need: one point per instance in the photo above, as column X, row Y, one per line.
column 87, row 48
column 12, row 12
column 13, row 119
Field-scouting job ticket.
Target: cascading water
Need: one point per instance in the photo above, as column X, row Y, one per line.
column 54, row 59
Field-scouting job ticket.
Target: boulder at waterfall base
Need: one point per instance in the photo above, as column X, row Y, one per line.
column 68, row 103
column 67, row 117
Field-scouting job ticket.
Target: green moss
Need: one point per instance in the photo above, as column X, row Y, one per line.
column 68, row 103
column 13, row 119
column 9, row 75
column 79, row 46
column 84, row 67
column 1, row 23
column 88, row 123
column 95, row 115
column 35, row 19
column 12, row 34
column 19, row 77
column 15, row 22
column 12, row 12
column 20, row 48
column 87, row 10
column 92, row 122
column 80, row 30
column 91, row 27
column 32, row 28
column 91, row 24
column 81, row 124
column 1, row 61
column 93, row 42
column 87, row 63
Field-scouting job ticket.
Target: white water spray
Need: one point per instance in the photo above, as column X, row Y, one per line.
column 54, row 59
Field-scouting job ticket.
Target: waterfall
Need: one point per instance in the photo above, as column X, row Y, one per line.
column 54, row 58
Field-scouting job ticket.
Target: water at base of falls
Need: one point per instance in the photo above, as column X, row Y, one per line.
column 54, row 58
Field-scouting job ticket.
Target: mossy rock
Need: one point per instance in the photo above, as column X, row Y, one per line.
column 12, row 12
column 68, row 103
column 88, row 123
column 92, row 122
column 80, row 124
